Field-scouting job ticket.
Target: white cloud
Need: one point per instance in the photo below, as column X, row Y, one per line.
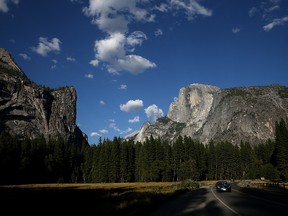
column 132, row 105
column 94, row 62
column 116, row 13
column 112, row 25
column 134, row 120
column 102, row 102
column 53, row 67
column 123, row 87
column 158, row 32
column 191, row 7
column 4, row 5
column 276, row 22
column 76, row 1
column 236, row 30
column 163, row 7
column 265, row 9
column 113, row 51
column 253, row 11
column 111, row 48
column 136, row 38
column 25, row 56
column 44, row 46
column 272, row 8
column 118, row 130
column 104, row 131
column 113, row 18
column 94, row 134
column 69, row 58
column 135, row 64
column 89, row 76
column 153, row 112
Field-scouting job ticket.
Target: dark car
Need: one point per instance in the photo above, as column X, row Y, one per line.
column 223, row 186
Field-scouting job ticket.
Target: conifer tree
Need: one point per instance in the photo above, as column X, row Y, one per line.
column 280, row 154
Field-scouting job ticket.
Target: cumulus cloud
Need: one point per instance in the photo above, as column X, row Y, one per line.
column 102, row 102
column 153, row 112
column 134, row 64
column 113, row 52
column 110, row 48
column 45, row 46
column 134, row 120
column 276, row 22
column 93, row 134
column 132, row 105
column 118, row 13
column 113, row 18
column 4, row 5
column 25, row 56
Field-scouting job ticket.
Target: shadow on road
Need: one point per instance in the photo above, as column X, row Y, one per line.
column 198, row 202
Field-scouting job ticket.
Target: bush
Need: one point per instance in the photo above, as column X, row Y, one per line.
column 189, row 185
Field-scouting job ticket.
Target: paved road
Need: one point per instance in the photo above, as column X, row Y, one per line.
column 241, row 202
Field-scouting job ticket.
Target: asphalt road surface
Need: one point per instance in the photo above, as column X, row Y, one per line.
column 240, row 201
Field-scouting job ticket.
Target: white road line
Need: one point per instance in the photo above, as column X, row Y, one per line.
column 235, row 212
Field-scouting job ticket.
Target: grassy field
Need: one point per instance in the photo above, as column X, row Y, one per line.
column 97, row 199
column 100, row 199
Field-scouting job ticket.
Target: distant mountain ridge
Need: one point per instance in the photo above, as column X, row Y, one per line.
column 209, row 113
column 28, row 110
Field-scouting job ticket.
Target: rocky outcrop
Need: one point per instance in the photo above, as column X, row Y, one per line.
column 28, row 110
column 206, row 113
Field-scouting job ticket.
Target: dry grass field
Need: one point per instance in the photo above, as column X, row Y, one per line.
column 101, row 199
column 139, row 198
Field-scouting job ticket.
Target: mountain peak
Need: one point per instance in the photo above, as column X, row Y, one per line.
column 7, row 61
column 208, row 113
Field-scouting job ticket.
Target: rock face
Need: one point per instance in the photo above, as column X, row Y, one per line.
column 206, row 113
column 28, row 110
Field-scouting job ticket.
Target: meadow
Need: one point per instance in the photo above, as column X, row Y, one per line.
column 100, row 199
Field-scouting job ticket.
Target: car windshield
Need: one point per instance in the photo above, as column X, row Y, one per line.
column 223, row 183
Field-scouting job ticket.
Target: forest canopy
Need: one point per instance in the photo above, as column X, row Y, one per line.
column 120, row 160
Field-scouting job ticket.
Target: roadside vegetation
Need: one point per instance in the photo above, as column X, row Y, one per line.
column 102, row 199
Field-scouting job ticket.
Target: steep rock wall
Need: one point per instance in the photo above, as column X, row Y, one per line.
column 28, row 110
column 206, row 113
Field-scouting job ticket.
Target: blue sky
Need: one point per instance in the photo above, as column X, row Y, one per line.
column 127, row 59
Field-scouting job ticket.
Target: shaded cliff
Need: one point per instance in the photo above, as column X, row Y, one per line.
column 28, row 110
column 207, row 113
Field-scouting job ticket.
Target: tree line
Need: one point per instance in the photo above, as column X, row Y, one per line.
column 120, row 160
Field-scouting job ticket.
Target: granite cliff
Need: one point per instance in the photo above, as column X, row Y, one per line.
column 206, row 113
column 28, row 110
